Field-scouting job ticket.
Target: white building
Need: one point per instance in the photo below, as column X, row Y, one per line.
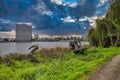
column 23, row 32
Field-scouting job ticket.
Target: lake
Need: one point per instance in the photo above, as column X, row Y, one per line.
column 21, row 48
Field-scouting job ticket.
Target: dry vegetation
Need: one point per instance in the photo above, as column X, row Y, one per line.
column 54, row 52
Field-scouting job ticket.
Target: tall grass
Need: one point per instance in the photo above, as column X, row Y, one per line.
column 54, row 52
column 72, row 67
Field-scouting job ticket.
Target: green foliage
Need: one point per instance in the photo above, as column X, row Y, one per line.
column 72, row 67
column 107, row 31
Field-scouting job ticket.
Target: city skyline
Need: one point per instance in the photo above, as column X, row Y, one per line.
column 12, row 34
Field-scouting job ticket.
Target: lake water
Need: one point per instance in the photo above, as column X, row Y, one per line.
column 6, row 48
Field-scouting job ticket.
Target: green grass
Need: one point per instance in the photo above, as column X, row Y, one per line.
column 73, row 67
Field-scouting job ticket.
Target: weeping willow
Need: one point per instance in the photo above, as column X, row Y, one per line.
column 107, row 31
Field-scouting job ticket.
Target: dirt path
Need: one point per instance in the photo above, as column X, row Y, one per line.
column 110, row 71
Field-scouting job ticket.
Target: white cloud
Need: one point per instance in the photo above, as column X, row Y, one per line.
column 73, row 4
column 42, row 9
column 27, row 23
column 3, row 21
column 61, row 2
column 70, row 4
column 91, row 20
column 85, row 27
column 102, row 3
column 57, row 1
column 84, row 19
column 12, row 23
column 68, row 19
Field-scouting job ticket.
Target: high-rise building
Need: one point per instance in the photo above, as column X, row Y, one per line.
column 23, row 33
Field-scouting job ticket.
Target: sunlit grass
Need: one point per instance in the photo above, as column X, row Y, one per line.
column 72, row 67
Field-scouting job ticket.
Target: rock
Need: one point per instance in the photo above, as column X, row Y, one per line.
column 76, row 46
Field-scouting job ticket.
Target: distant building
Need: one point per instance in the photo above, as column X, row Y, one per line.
column 23, row 32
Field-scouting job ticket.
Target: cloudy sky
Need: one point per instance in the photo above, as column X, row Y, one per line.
column 52, row 17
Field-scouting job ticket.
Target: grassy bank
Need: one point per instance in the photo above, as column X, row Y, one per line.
column 71, row 67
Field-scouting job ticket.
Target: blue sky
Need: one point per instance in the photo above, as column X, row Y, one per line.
column 52, row 17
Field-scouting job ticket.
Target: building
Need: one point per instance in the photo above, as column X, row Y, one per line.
column 23, row 33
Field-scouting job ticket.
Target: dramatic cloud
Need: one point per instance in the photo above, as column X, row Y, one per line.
column 53, row 17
